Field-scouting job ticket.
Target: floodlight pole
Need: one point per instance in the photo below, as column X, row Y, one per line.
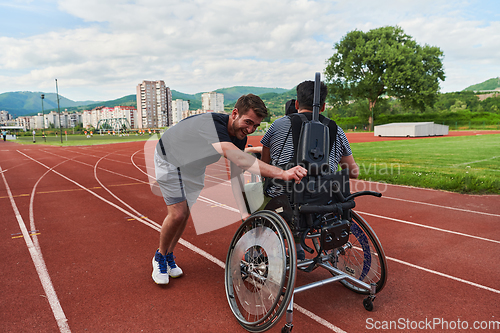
column 59, row 110
column 43, row 120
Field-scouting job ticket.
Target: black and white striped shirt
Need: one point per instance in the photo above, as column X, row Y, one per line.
column 282, row 152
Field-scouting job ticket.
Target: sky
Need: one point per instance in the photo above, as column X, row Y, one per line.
column 102, row 49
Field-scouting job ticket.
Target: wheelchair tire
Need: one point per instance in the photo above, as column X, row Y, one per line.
column 363, row 257
column 260, row 271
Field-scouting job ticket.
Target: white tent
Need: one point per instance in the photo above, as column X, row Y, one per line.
column 411, row 129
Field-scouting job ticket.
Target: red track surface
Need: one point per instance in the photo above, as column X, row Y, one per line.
column 94, row 229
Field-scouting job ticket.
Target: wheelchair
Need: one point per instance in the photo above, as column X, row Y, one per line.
column 262, row 264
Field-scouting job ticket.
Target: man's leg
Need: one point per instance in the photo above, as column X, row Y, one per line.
column 173, row 226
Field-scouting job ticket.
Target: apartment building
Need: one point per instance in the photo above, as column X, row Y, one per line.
column 179, row 107
column 4, row 116
column 154, row 105
column 115, row 117
column 212, row 102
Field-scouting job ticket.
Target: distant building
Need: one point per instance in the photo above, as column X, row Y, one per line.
column 189, row 113
column 154, row 105
column 212, row 102
column 115, row 118
column 4, row 116
column 179, row 107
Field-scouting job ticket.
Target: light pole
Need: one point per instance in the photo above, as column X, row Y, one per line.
column 43, row 120
column 59, row 110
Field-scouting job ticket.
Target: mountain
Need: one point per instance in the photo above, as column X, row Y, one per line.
column 23, row 103
column 232, row 94
column 490, row 84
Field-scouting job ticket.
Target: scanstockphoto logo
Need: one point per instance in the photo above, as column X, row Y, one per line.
column 431, row 324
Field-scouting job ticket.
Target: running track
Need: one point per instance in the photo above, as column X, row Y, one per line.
column 79, row 226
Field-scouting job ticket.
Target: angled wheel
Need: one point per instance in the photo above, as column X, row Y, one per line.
column 260, row 271
column 362, row 257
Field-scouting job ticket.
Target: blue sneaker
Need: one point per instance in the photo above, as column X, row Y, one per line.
column 160, row 273
column 173, row 270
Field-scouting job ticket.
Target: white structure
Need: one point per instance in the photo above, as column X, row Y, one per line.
column 154, row 105
column 4, row 116
column 179, row 107
column 212, row 102
column 114, row 117
column 411, row 129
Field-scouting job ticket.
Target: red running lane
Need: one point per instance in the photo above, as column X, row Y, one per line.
column 442, row 250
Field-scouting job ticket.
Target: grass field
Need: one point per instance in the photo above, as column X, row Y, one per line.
column 81, row 140
column 468, row 164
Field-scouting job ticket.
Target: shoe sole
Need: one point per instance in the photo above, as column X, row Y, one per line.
column 176, row 276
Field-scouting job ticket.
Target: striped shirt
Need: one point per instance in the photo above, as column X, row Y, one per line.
column 282, row 151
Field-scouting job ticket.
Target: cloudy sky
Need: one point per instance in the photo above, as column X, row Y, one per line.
column 101, row 49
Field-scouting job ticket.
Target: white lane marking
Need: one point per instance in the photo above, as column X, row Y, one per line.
column 222, row 265
column 40, row 267
column 478, row 161
column 441, row 206
column 445, row 275
column 192, row 247
column 317, row 318
column 31, row 212
column 429, row 227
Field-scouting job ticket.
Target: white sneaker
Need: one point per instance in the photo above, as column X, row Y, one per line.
column 173, row 270
column 161, row 270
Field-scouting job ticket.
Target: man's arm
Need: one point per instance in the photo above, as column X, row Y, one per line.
column 349, row 163
column 250, row 163
column 266, row 155
column 253, row 150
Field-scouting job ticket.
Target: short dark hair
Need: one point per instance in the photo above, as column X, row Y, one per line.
column 251, row 101
column 305, row 95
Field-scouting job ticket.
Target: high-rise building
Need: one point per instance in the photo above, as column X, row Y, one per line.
column 212, row 102
column 154, row 105
column 179, row 107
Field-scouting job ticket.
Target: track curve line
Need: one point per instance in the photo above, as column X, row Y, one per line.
column 41, row 268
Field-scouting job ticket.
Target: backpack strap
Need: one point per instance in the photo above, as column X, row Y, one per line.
column 298, row 118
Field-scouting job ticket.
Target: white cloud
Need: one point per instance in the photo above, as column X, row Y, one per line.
column 198, row 45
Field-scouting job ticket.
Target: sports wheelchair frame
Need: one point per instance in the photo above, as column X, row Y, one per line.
column 261, row 263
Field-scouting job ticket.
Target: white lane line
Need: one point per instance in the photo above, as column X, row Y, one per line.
column 317, row 318
column 31, row 212
column 478, row 161
column 429, row 227
column 183, row 242
column 441, row 206
column 40, row 267
column 445, row 275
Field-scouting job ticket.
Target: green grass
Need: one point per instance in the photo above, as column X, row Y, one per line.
column 464, row 164
column 468, row 164
column 80, row 140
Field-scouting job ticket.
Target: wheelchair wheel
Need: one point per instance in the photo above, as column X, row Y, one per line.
column 260, row 271
column 362, row 257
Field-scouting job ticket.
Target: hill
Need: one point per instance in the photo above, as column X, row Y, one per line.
column 22, row 103
column 232, row 94
column 490, row 84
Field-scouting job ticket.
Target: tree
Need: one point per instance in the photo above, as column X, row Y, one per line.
column 384, row 61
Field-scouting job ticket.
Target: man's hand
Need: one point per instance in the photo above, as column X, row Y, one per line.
column 296, row 173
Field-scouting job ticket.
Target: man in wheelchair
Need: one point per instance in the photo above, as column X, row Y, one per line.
column 279, row 149
column 261, row 264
